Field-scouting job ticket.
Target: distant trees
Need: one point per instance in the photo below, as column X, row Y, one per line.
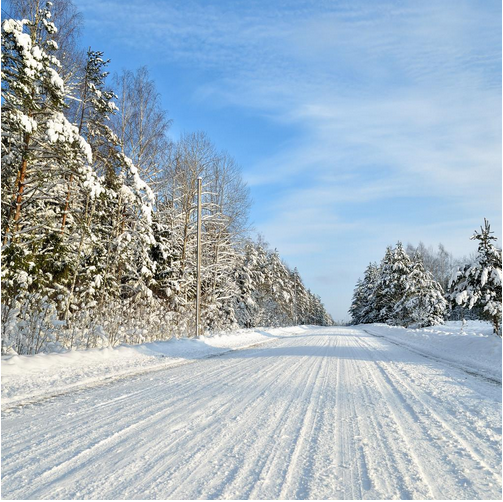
column 439, row 263
column 270, row 294
column 98, row 208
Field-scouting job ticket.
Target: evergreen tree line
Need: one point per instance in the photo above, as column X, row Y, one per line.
column 418, row 290
column 98, row 207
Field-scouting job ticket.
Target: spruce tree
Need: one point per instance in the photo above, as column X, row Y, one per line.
column 362, row 308
column 40, row 150
column 385, row 294
column 423, row 303
column 357, row 302
column 478, row 285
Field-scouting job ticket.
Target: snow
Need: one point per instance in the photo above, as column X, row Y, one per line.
column 31, row 378
column 472, row 346
column 316, row 413
column 12, row 25
column 56, row 80
column 27, row 124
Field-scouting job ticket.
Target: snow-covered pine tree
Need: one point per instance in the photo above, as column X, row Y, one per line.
column 298, row 299
column 400, row 282
column 89, row 243
column 384, row 291
column 281, row 291
column 247, row 278
column 263, row 293
column 319, row 316
column 357, row 302
column 438, row 262
column 368, row 312
column 399, row 292
column 166, row 254
column 40, row 150
column 479, row 284
column 423, row 303
column 391, row 286
column 362, row 308
column 270, row 294
column 114, row 253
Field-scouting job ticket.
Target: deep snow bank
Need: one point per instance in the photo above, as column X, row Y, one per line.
column 30, row 378
column 472, row 346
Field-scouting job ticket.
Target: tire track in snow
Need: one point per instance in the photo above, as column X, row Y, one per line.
column 243, row 437
column 94, row 431
column 283, row 460
column 386, row 461
column 271, row 423
column 428, row 411
column 434, row 462
column 296, row 484
column 73, row 445
column 187, row 413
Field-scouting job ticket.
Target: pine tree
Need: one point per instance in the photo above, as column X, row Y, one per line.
column 398, row 292
column 423, row 303
column 357, row 302
column 362, row 308
column 478, row 285
column 40, row 150
column 385, row 294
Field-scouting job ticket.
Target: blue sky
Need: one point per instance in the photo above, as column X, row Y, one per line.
column 356, row 123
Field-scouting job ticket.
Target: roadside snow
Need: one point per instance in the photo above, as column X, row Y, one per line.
column 32, row 378
column 473, row 346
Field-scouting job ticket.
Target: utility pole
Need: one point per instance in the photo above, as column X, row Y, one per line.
column 295, row 274
column 198, row 290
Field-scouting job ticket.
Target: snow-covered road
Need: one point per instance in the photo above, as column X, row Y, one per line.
column 330, row 413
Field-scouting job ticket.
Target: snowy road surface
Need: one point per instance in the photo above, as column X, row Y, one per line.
column 331, row 413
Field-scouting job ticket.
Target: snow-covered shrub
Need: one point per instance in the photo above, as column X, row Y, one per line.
column 31, row 326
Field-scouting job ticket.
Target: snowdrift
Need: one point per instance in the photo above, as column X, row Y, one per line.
column 472, row 347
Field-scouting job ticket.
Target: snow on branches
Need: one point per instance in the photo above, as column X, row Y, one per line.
column 478, row 284
column 399, row 292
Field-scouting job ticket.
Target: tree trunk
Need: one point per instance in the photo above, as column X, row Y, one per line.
column 18, row 191
column 70, row 181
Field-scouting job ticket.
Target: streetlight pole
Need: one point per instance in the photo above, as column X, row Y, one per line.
column 198, row 290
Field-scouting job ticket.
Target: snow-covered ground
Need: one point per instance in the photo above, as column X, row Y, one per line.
column 27, row 379
column 324, row 413
column 472, row 346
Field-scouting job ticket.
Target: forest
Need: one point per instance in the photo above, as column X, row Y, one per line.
column 98, row 220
